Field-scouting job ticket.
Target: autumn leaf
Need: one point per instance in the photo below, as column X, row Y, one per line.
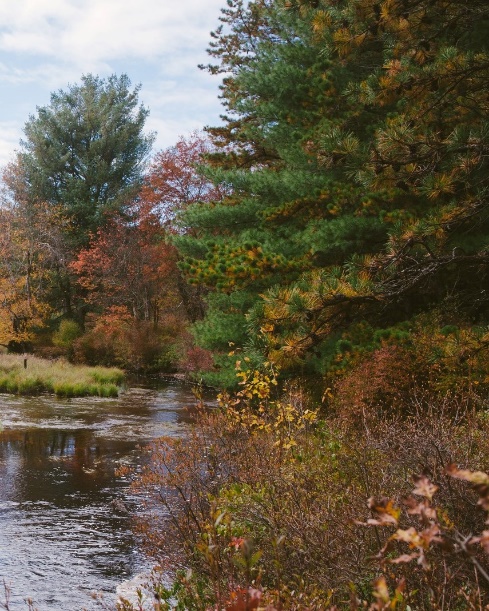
column 387, row 513
column 410, row 536
column 423, row 487
column 474, row 477
column 478, row 479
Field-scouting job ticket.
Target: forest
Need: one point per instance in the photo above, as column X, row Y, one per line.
column 321, row 260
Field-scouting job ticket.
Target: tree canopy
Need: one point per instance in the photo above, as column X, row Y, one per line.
column 86, row 151
column 357, row 173
column 344, row 195
column 82, row 161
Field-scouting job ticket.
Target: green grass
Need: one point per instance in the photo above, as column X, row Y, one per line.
column 58, row 377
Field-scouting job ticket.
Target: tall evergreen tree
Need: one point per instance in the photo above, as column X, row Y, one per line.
column 421, row 70
column 86, row 151
column 252, row 240
column 358, row 175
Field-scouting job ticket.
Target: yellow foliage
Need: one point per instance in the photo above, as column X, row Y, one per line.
column 253, row 410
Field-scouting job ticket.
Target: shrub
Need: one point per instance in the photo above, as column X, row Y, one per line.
column 116, row 338
column 393, row 378
column 260, row 503
column 67, row 333
column 431, row 560
column 193, row 359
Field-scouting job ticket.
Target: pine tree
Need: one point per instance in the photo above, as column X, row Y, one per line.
column 86, row 152
column 357, row 167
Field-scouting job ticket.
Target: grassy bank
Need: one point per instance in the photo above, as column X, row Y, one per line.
column 58, row 377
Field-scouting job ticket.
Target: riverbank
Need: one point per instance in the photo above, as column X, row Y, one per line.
column 273, row 502
column 32, row 375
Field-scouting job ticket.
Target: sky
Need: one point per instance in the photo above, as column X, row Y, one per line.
column 45, row 45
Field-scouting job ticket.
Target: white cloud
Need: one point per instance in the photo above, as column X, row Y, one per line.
column 47, row 44
column 95, row 31
column 9, row 140
column 177, row 111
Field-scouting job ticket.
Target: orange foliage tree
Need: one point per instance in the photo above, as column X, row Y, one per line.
column 130, row 268
column 24, row 266
column 128, row 265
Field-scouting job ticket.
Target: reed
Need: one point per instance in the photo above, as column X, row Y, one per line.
column 58, row 377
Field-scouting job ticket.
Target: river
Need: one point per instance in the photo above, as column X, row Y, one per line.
column 64, row 535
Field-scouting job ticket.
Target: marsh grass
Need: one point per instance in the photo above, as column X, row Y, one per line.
column 58, row 377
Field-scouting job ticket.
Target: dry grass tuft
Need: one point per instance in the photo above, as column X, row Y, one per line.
column 58, row 377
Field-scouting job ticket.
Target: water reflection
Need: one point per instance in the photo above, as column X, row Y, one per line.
column 64, row 533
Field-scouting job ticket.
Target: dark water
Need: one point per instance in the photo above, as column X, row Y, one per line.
column 62, row 537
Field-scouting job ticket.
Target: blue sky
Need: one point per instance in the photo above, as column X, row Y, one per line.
column 47, row 44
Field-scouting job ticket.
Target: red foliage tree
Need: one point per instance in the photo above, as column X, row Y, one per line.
column 131, row 265
column 173, row 181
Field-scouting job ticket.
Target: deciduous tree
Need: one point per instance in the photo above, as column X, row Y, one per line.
column 22, row 282
column 173, row 180
column 130, row 265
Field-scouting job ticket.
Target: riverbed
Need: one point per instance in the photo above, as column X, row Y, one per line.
column 65, row 525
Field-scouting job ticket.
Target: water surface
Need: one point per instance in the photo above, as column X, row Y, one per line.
column 64, row 533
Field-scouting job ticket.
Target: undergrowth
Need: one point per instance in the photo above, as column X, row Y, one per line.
column 270, row 504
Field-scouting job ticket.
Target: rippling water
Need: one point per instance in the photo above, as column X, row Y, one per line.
column 63, row 535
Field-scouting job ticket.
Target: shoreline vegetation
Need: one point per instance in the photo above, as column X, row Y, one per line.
column 32, row 375
column 272, row 502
